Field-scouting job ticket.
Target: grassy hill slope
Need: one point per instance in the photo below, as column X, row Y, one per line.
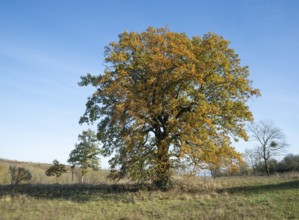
column 39, row 177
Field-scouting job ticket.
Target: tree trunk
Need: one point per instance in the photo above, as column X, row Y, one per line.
column 162, row 170
column 214, row 173
column 73, row 172
column 82, row 179
column 266, row 168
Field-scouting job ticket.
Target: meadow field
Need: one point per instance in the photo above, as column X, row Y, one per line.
column 250, row 197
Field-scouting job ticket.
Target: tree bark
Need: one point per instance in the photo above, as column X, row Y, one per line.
column 162, row 178
column 266, row 168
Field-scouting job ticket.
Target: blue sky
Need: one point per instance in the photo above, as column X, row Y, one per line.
column 45, row 46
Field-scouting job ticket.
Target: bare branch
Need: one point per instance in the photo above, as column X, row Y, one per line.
column 271, row 140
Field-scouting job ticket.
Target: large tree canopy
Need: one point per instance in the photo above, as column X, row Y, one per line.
column 164, row 98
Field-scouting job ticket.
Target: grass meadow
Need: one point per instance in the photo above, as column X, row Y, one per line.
column 275, row 197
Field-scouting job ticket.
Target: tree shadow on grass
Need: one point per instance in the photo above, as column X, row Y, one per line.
column 262, row 188
column 75, row 192
column 85, row 192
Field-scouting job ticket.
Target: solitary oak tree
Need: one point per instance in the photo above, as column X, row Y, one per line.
column 164, row 98
column 85, row 154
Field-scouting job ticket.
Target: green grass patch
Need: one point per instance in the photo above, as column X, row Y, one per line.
column 198, row 198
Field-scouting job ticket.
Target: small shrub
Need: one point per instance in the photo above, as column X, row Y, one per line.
column 57, row 169
column 18, row 175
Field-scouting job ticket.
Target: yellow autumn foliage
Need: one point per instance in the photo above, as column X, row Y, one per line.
column 165, row 97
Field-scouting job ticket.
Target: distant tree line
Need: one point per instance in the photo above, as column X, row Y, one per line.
column 288, row 164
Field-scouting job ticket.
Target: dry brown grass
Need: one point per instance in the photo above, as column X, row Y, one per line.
column 249, row 197
column 38, row 174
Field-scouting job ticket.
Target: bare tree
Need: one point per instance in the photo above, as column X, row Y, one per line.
column 253, row 158
column 271, row 141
